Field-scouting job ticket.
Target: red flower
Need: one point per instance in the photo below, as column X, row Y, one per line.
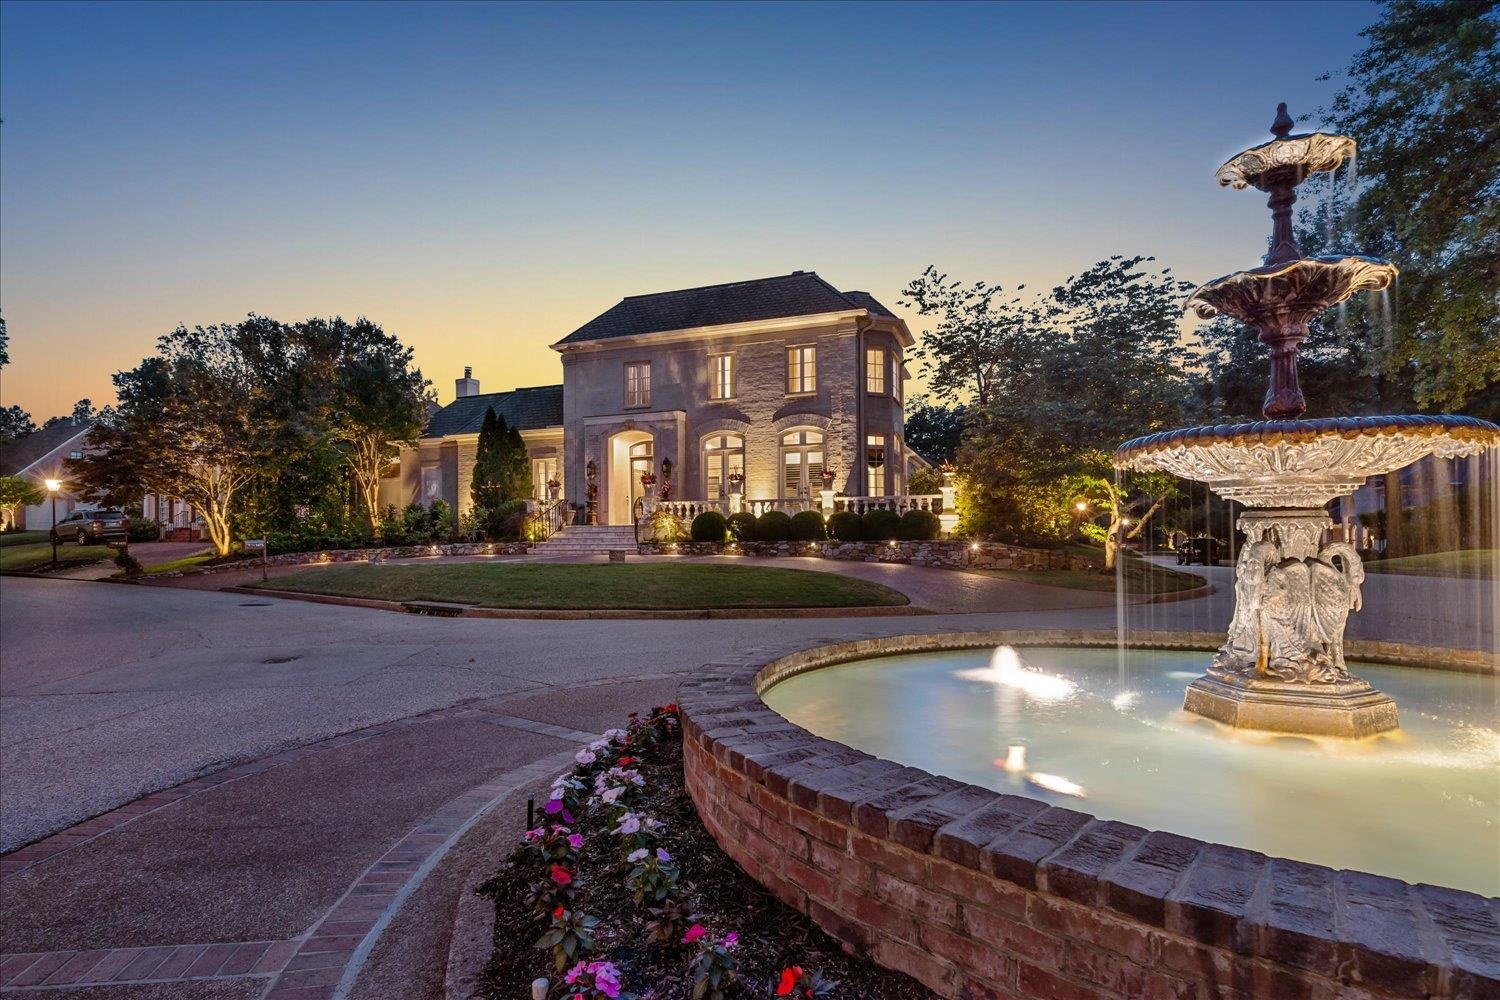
column 626, row 761
column 694, row 933
column 561, row 875
column 557, row 913
column 789, row 979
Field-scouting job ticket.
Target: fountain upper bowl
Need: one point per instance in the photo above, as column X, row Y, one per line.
column 1298, row 289
column 1302, row 463
column 1308, row 153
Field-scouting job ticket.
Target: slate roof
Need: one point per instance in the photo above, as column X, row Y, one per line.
column 23, row 452
column 525, row 409
column 801, row 293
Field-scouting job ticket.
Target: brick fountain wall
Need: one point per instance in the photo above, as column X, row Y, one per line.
column 983, row 896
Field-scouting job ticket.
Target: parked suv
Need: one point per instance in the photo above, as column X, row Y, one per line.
column 89, row 527
column 1204, row 551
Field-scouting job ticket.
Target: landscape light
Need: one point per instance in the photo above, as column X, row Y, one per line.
column 53, row 485
column 1081, row 506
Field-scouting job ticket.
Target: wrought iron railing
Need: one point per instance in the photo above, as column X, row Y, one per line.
column 550, row 518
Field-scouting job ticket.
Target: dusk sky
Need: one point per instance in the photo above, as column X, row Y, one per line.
column 481, row 180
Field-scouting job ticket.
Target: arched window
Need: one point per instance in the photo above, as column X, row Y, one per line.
column 801, row 463
column 723, row 456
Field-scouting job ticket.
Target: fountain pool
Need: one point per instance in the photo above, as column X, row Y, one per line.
column 1105, row 733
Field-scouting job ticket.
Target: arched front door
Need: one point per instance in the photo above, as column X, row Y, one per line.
column 630, row 454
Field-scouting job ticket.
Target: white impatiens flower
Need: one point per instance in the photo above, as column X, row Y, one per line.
column 585, row 757
column 599, row 746
column 637, row 855
column 614, row 735
column 612, row 795
column 662, row 855
column 629, row 823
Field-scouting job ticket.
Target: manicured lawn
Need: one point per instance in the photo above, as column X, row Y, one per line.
column 178, row 565
column 22, row 538
column 653, row 586
column 20, row 558
column 1140, row 577
column 1471, row 564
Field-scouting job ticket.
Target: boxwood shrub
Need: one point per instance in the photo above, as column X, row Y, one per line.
column 844, row 526
column 773, row 526
column 880, row 525
column 920, row 526
column 807, row 526
column 710, row 526
column 742, row 526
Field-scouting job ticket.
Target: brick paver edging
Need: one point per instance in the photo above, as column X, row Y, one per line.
column 982, row 895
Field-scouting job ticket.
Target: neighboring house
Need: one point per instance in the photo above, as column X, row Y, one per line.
column 43, row 455
column 1446, row 504
column 774, row 380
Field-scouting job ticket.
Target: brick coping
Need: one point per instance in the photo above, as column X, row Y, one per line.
column 981, row 894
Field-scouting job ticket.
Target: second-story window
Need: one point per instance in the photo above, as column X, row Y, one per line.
column 875, row 371
column 802, row 369
column 638, row 383
column 722, row 373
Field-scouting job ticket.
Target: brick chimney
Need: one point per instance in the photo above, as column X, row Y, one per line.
column 466, row 386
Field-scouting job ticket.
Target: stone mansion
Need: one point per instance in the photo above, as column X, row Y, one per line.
column 756, row 390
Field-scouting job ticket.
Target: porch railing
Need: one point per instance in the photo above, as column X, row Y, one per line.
column 689, row 509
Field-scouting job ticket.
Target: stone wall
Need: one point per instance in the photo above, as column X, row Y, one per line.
column 361, row 555
column 943, row 554
column 986, row 896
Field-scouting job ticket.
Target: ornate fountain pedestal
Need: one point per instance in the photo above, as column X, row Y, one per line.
column 1282, row 669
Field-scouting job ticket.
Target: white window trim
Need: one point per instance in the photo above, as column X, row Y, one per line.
column 639, row 403
column 788, row 355
column 713, row 377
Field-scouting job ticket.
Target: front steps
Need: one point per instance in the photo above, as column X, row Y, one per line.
column 588, row 540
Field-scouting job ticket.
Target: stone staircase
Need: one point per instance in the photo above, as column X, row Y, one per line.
column 587, row 540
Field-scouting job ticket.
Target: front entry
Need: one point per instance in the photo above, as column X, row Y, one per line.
column 630, row 455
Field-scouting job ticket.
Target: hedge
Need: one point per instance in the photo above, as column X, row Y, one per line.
column 920, row 526
column 844, row 526
column 880, row 525
column 710, row 526
column 807, row 526
column 773, row 526
column 742, row 526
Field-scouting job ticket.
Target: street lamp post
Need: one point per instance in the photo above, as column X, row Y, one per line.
column 53, row 485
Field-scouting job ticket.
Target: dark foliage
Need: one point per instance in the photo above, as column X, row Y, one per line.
column 742, row 526
column 773, row 526
column 919, row 526
column 845, row 526
column 880, row 525
column 710, row 526
column 807, row 526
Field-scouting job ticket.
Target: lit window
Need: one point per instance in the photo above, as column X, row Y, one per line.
column 801, row 464
column 723, row 376
column 875, row 370
column 723, row 459
column 544, row 471
column 875, row 465
column 638, row 383
column 802, row 369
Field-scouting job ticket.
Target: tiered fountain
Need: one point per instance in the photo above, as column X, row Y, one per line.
column 1282, row 666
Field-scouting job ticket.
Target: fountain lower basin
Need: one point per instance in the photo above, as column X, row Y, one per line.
column 1104, row 733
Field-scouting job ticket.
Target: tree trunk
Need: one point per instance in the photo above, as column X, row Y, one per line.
column 1395, row 533
column 217, row 523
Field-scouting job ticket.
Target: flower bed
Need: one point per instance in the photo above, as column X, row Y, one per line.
column 621, row 892
column 362, row 555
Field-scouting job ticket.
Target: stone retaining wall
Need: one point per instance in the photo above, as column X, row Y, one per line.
column 985, row 896
column 361, row 555
column 944, row 554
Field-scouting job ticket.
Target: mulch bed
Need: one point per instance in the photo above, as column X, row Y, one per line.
column 720, row 895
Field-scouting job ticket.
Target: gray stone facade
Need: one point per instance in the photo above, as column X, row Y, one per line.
column 600, row 421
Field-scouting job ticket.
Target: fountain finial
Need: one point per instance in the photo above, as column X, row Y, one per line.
column 1282, row 126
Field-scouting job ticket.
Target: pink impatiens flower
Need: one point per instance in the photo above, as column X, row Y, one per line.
column 694, row 933
column 575, row 840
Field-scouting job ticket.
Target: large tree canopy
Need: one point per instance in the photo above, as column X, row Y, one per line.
column 185, row 426
column 1421, row 101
